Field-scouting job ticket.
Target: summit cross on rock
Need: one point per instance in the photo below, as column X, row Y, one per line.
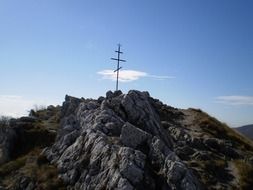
column 118, row 66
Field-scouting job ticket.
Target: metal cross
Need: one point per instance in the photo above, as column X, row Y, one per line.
column 118, row 66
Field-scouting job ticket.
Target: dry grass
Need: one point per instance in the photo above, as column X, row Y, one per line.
column 214, row 174
column 245, row 171
column 28, row 162
column 215, row 171
column 13, row 165
column 215, row 128
column 45, row 175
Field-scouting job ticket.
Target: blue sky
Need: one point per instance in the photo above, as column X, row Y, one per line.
column 196, row 53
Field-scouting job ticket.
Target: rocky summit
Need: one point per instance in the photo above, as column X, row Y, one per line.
column 124, row 142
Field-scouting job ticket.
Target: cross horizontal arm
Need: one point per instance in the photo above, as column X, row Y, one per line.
column 118, row 59
column 118, row 51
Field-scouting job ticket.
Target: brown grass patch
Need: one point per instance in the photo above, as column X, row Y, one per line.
column 245, row 171
column 215, row 128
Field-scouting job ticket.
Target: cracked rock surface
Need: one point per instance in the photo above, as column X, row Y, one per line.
column 118, row 142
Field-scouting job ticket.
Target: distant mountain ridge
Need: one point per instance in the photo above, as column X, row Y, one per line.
column 246, row 130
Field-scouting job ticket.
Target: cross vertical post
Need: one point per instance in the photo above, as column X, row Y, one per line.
column 118, row 65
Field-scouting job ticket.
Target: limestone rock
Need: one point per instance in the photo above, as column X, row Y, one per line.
column 132, row 136
column 117, row 142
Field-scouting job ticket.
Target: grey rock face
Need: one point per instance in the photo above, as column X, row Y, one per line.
column 11, row 139
column 133, row 137
column 117, row 142
column 8, row 138
column 132, row 165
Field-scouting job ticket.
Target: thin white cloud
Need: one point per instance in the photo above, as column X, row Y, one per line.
column 235, row 100
column 129, row 75
column 125, row 75
column 161, row 77
column 17, row 106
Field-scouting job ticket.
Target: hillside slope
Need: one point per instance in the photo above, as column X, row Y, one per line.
column 133, row 141
column 246, row 130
